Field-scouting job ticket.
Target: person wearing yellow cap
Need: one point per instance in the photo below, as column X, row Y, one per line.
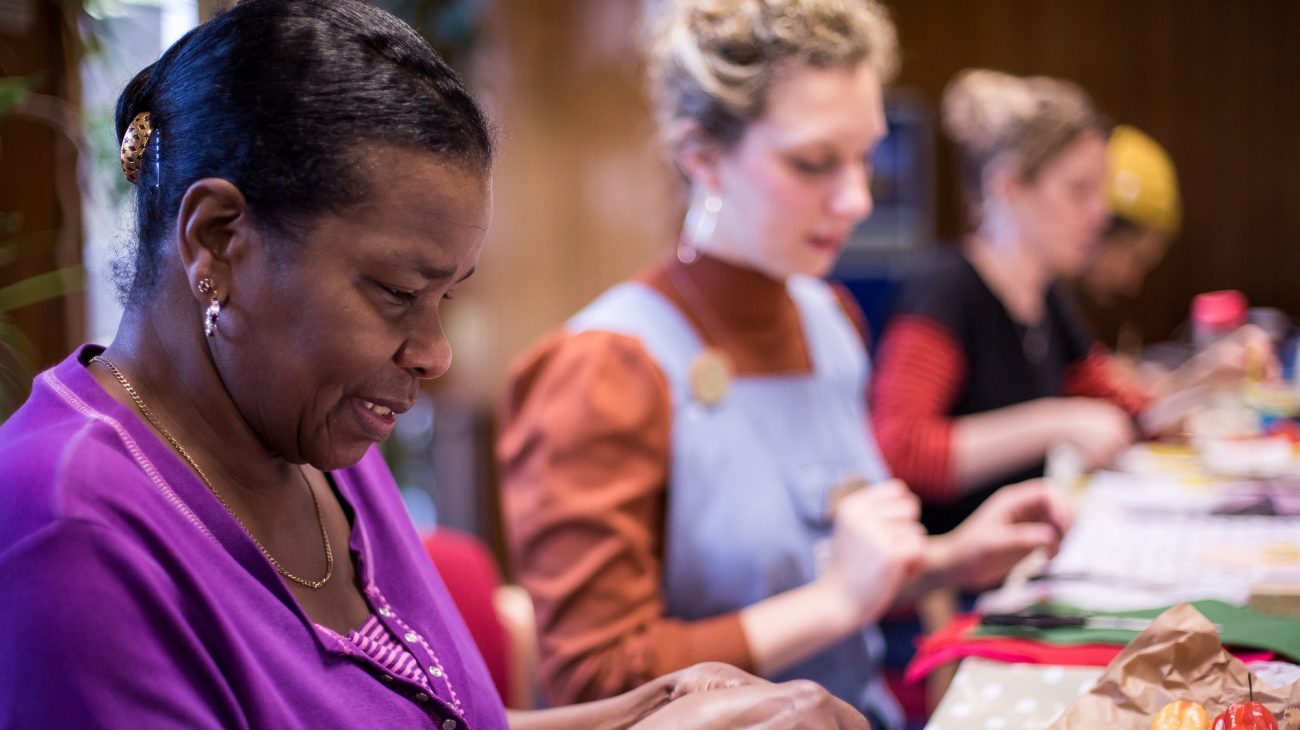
column 986, row 364
column 1146, row 215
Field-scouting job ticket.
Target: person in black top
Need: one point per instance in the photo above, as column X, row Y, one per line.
column 987, row 364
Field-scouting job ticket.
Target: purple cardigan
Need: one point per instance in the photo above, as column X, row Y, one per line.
column 130, row 598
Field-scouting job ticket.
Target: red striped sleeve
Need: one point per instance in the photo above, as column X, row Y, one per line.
column 919, row 369
column 1095, row 377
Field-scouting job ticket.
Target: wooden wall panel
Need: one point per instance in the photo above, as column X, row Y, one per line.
column 583, row 197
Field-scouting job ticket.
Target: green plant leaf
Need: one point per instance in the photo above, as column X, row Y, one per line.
column 13, row 91
column 32, row 242
column 41, row 287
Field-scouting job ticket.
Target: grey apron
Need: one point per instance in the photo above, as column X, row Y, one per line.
column 751, row 476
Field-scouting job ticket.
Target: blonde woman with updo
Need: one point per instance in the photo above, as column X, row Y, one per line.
column 987, row 364
column 689, row 471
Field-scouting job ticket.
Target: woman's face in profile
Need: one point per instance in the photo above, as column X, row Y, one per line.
column 797, row 182
column 341, row 325
column 1064, row 209
column 1121, row 263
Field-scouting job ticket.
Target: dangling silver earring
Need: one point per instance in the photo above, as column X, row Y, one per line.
column 206, row 286
column 701, row 220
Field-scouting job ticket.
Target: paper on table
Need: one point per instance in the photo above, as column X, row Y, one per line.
column 1178, row 657
column 1117, row 560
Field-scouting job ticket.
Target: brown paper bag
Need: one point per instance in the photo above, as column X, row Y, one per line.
column 1178, row 657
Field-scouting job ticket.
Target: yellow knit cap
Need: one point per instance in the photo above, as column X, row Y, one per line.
column 1141, row 183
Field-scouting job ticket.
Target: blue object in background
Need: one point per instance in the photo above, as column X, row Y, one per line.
column 875, row 295
column 1287, row 356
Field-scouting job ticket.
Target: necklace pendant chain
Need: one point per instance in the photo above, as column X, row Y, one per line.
column 320, row 519
column 1036, row 341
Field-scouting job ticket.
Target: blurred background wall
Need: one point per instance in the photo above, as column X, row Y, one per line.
column 1213, row 82
column 40, row 203
column 583, row 197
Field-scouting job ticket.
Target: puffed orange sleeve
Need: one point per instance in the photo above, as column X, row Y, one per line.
column 584, row 450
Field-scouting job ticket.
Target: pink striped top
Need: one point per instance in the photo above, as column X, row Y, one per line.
column 385, row 650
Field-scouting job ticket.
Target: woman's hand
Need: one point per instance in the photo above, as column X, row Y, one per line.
column 1013, row 522
column 1246, row 353
column 876, row 546
column 1099, row 429
column 708, row 676
column 703, row 697
column 756, row 704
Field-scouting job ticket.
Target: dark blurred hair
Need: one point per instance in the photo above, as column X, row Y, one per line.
column 278, row 96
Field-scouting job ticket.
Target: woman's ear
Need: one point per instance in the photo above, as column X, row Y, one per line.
column 1002, row 179
column 213, row 230
column 697, row 156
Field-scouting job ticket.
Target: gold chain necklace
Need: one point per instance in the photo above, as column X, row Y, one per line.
column 320, row 520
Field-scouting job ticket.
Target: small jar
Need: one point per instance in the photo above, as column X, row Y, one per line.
column 1216, row 315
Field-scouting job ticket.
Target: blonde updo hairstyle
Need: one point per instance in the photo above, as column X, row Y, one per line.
column 712, row 62
column 993, row 116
